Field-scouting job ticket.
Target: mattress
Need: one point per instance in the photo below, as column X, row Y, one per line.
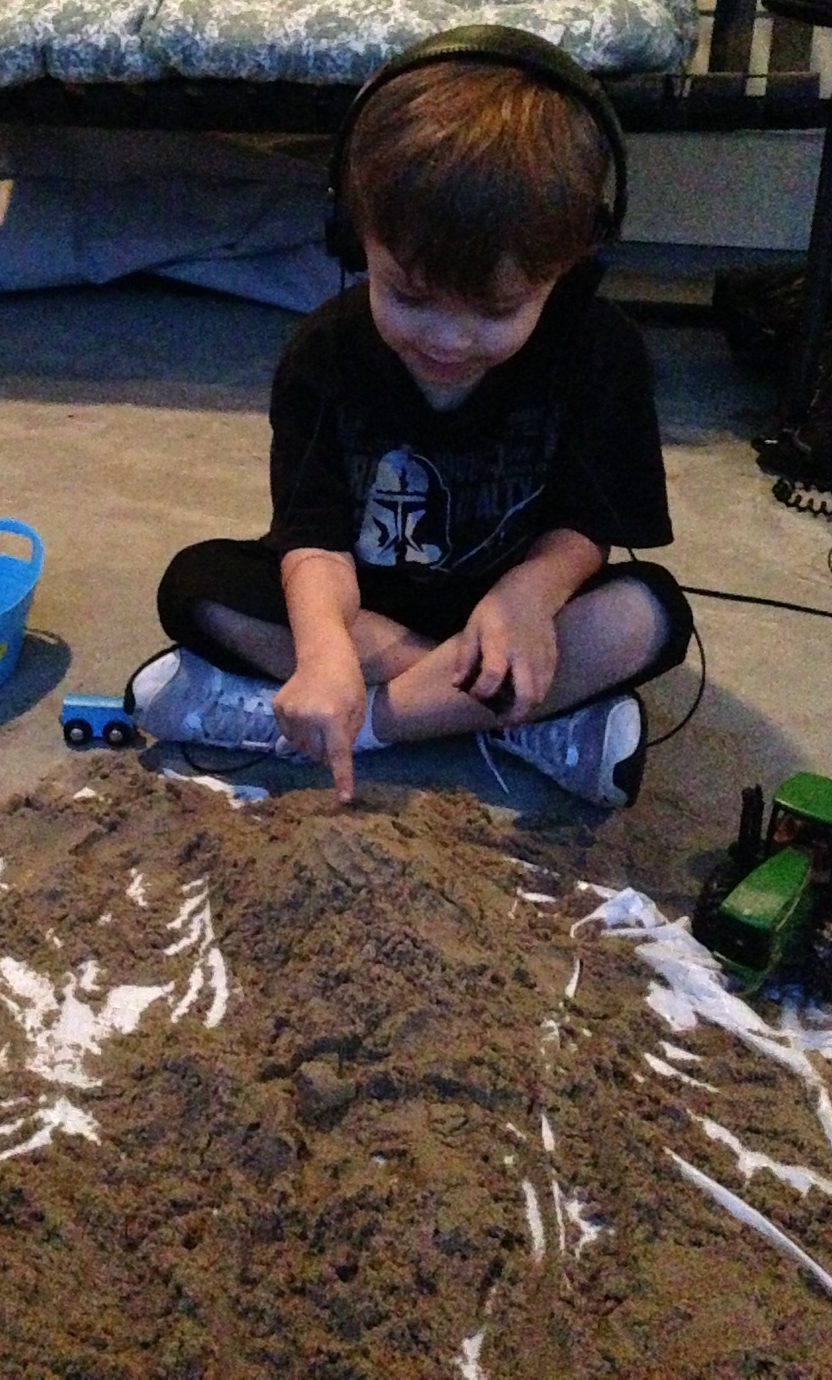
column 313, row 41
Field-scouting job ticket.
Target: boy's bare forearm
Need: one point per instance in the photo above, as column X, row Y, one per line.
column 322, row 598
column 557, row 565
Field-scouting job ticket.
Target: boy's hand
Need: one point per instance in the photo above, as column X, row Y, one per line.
column 507, row 654
column 320, row 710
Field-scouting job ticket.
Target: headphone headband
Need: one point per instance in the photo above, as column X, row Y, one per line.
column 486, row 43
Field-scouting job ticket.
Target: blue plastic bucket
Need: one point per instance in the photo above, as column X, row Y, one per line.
column 18, row 578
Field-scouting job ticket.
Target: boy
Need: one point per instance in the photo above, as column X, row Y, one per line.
column 456, row 445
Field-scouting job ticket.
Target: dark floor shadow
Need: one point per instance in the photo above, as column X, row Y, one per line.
column 140, row 341
column 702, row 392
column 44, row 661
column 452, row 764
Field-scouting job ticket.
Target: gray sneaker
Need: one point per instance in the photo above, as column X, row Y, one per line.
column 178, row 697
column 596, row 752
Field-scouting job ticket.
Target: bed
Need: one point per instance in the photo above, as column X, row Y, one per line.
column 281, row 64
column 83, row 199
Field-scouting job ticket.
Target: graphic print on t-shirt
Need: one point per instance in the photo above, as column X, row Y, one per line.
column 406, row 513
column 471, row 509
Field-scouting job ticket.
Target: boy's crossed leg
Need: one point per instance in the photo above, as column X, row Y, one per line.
column 609, row 636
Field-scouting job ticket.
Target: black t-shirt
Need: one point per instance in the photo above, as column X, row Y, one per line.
column 562, row 435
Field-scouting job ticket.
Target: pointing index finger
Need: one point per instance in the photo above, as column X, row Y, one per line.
column 339, row 760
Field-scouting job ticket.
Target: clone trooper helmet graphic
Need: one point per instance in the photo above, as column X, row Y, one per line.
column 406, row 513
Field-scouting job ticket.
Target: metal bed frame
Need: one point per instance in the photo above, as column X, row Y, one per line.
column 720, row 99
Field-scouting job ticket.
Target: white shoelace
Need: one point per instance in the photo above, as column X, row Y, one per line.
column 482, row 744
column 243, row 721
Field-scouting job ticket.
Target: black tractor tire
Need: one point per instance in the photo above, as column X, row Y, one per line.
column 717, row 885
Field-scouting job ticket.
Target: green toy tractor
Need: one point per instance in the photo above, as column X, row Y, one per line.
column 757, row 910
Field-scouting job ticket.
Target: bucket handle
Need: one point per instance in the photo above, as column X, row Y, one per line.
column 21, row 529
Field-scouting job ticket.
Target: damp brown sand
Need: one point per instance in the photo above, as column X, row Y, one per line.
column 318, row 1149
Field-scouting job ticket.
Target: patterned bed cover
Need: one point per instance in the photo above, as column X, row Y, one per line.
column 313, row 41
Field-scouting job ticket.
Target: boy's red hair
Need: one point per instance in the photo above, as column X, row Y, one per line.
column 457, row 165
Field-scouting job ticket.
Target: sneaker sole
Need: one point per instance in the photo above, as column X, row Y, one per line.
column 627, row 775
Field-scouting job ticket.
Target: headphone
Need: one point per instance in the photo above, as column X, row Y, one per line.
column 505, row 47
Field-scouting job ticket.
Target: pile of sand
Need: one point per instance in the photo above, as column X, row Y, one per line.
column 321, row 1094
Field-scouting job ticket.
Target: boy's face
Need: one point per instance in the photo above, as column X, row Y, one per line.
column 445, row 342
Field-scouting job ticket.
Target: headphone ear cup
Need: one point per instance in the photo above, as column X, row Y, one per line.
column 342, row 242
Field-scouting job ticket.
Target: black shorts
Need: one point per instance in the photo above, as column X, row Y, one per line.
column 245, row 576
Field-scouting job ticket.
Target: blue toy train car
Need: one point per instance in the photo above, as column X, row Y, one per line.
column 85, row 717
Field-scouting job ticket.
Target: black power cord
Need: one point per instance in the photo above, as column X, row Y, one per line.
column 760, row 599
